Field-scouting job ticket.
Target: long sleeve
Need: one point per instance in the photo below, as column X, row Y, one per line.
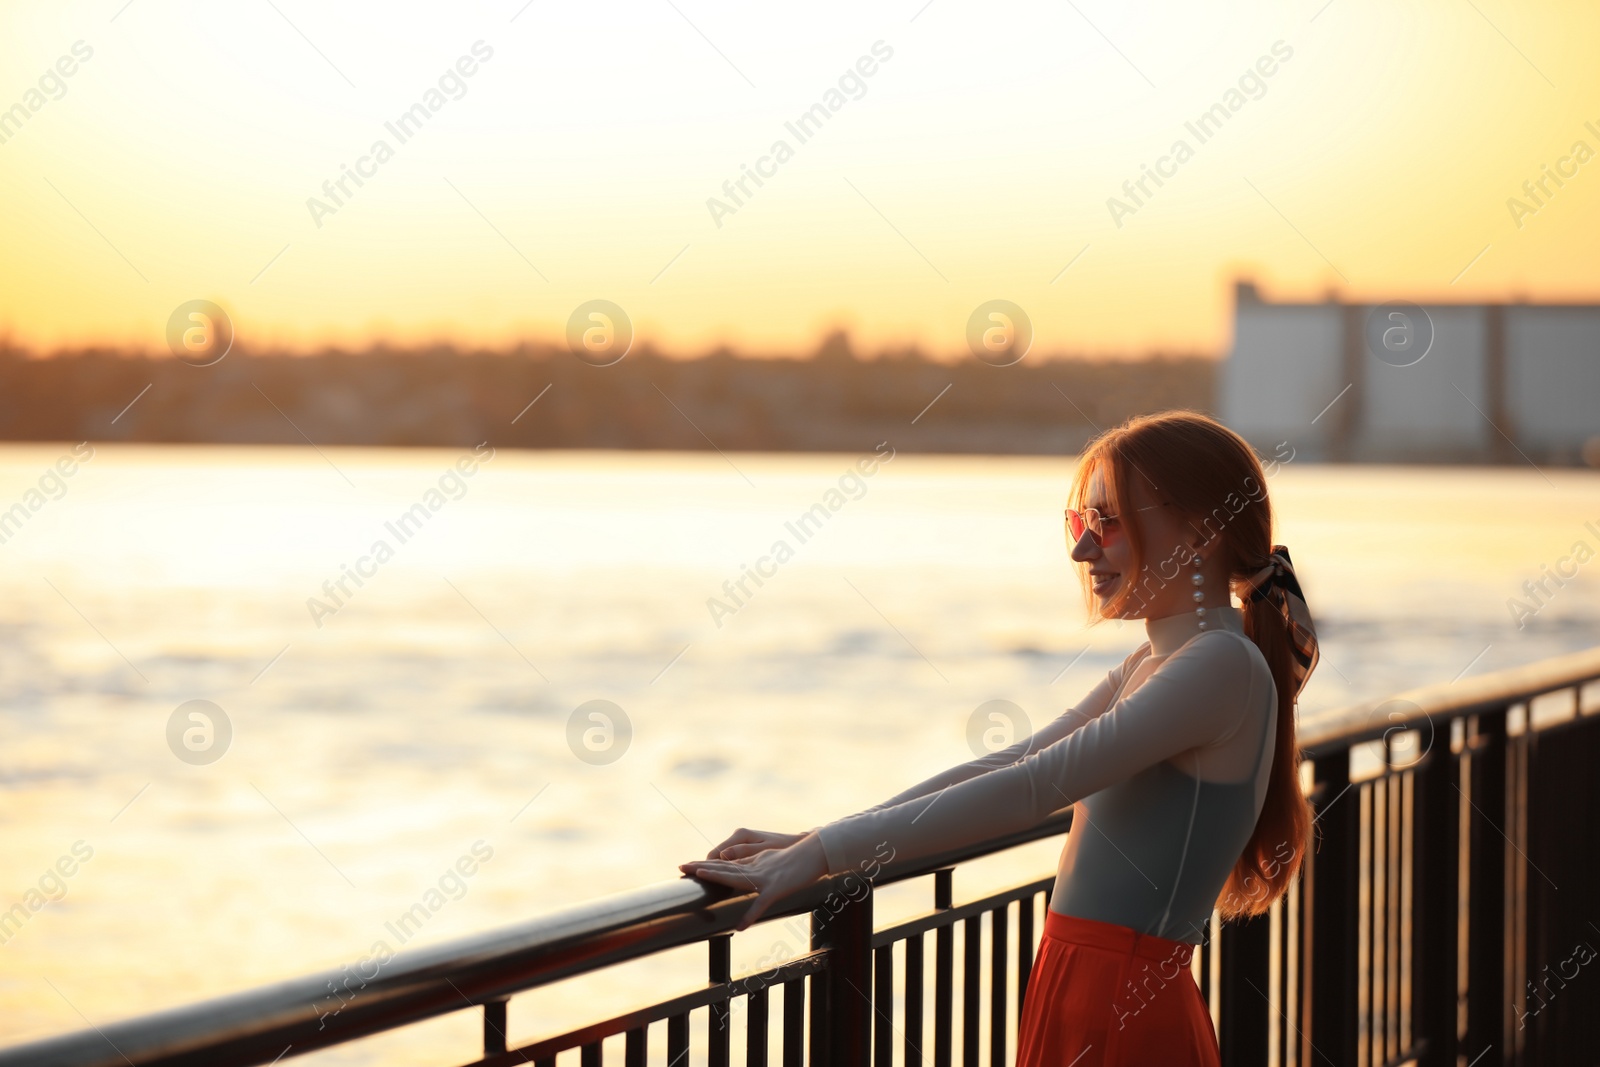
column 1093, row 703
column 1195, row 697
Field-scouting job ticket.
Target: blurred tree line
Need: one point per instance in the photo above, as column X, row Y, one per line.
column 833, row 401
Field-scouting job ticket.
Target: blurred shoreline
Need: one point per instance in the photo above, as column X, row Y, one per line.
column 542, row 396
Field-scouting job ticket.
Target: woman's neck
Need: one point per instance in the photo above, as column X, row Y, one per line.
column 1167, row 633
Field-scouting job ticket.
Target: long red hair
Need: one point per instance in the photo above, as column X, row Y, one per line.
column 1212, row 474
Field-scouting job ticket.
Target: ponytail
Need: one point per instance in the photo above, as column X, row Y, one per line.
column 1272, row 857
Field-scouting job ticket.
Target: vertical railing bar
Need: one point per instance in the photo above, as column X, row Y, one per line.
column 1467, row 846
column 1332, row 891
column 1364, row 800
column 1408, row 911
column 817, row 1022
column 1025, row 908
column 1378, row 874
column 719, row 952
column 1466, row 870
column 1388, row 1035
column 794, row 1022
column 494, row 1027
column 1584, row 865
column 1246, row 949
column 883, row 1006
column 1380, row 926
column 1517, row 915
column 1274, row 985
column 1488, row 983
column 1553, row 877
column 1434, row 908
column 677, row 1041
column 636, row 1051
column 1291, row 968
column 914, row 987
column 944, row 972
column 1391, row 914
column 1377, row 1016
column 1381, row 853
column 971, row 982
column 999, row 943
column 841, row 1007
column 1214, row 971
column 1397, row 792
column 755, row 1043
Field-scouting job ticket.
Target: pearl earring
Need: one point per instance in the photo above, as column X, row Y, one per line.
column 1199, row 579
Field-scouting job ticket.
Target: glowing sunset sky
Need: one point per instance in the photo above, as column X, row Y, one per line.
column 1371, row 148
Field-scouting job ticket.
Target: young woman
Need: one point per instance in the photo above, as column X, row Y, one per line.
column 1180, row 766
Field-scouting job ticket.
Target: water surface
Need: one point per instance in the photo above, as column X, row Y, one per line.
column 428, row 713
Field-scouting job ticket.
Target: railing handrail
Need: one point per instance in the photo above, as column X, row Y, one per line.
column 1355, row 723
column 257, row 1025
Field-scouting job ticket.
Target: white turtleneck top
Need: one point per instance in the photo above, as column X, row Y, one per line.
column 1165, row 764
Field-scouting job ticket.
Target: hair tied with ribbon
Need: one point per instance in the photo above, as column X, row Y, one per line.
column 1276, row 583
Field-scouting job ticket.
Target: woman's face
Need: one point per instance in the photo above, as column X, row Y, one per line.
column 1168, row 550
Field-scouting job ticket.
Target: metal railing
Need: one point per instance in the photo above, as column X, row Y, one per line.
column 1444, row 912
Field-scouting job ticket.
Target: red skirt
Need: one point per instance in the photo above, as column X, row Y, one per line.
column 1103, row 995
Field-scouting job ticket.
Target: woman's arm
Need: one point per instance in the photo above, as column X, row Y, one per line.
column 744, row 842
column 1197, row 696
column 775, row 872
column 1093, row 704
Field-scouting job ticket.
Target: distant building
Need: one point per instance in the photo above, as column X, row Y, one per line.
column 1457, row 382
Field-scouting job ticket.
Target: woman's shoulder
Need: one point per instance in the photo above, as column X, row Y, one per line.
column 1224, row 650
column 1220, row 646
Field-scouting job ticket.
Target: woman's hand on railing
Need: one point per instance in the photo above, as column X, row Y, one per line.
column 772, row 874
column 742, row 843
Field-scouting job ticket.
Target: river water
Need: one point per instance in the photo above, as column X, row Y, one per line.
column 410, row 739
